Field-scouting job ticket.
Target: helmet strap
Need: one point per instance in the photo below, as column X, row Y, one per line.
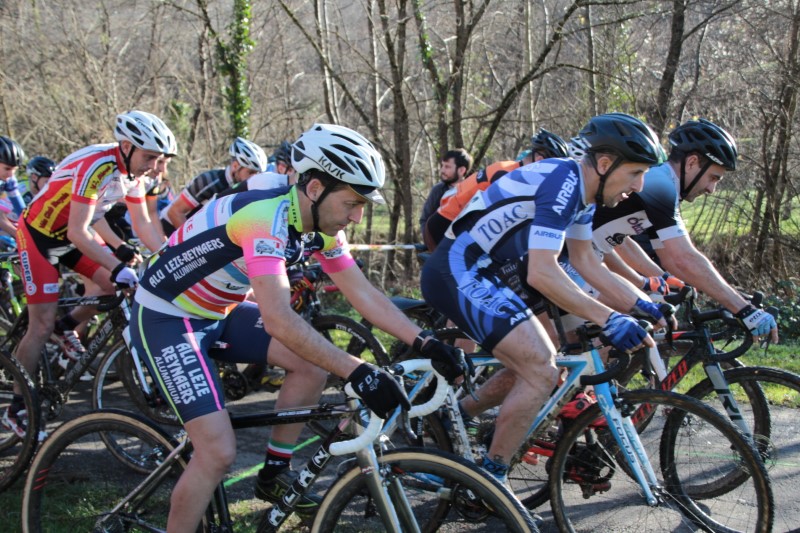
column 315, row 205
column 126, row 158
column 685, row 190
column 598, row 197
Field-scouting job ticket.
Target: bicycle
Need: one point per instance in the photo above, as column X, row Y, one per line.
column 16, row 451
column 579, row 459
column 402, row 490
column 306, row 281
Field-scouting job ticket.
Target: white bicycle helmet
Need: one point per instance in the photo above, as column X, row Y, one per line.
column 344, row 155
column 577, row 148
column 248, row 154
column 146, row 131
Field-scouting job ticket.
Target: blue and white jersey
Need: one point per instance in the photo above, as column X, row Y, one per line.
column 654, row 211
column 535, row 207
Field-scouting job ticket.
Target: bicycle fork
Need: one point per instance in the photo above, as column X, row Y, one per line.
column 627, row 438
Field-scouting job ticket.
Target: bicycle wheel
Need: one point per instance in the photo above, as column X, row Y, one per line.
column 74, row 483
column 685, row 441
column 444, row 492
column 16, row 452
column 774, row 425
column 118, row 385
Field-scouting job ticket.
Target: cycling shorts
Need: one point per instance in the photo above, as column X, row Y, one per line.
column 178, row 351
column 460, row 281
column 39, row 256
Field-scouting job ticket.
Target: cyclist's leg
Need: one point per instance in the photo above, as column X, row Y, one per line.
column 303, row 386
column 176, row 350
column 38, row 256
column 486, row 309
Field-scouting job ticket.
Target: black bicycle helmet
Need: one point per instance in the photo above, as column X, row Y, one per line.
column 549, row 144
column 705, row 138
column 708, row 139
column 10, row 152
column 283, row 153
column 41, row 166
column 623, row 135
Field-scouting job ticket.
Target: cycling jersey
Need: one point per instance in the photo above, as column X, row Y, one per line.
column 192, row 295
column 654, row 211
column 204, row 186
column 536, row 207
column 95, row 175
column 452, row 204
column 263, row 181
column 206, row 267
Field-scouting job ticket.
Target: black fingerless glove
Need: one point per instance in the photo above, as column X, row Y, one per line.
column 125, row 252
column 446, row 360
column 380, row 392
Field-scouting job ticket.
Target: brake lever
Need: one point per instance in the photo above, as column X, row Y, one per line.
column 466, row 383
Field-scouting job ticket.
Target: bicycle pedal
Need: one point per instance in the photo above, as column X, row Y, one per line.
column 532, row 458
column 590, row 489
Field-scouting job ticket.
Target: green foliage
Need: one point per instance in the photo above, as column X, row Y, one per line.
column 232, row 57
column 789, row 309
column 179, row 115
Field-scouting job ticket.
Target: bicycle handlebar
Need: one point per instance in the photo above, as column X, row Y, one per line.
column 375, row 425
column 111, row 303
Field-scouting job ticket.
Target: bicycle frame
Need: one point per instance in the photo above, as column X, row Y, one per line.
column 115, row 321
column 362, row 446
column 702, row 346
column 578, row 367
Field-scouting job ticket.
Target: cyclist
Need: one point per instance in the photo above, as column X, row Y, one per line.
column 701, row 152
column 11, row 158
column 281, row 175
column 195, row 295
column 534, row 210
column 39, row 170
column 544, row 145
column 247, row 159
column 55, row 229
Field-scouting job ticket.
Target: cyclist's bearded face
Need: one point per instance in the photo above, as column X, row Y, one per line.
column 626, row 179
column 339, row 209
column 448, row 172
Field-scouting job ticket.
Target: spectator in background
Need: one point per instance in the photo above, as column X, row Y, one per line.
column 453, row 168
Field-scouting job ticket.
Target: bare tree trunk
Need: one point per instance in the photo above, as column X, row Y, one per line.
column 776, row 174
column 658, row 117
column 593, row 105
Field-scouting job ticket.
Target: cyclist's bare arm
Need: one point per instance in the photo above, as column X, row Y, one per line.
column 632, row 254
column 546, row 276
column 152, row 213
column 680, row 257
column 616, row 265
column 288, row 328
column 6, row 225
column 373, row 305
column 144, row 227
column 176, row 214
column 619, row 294
column 80, row 215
